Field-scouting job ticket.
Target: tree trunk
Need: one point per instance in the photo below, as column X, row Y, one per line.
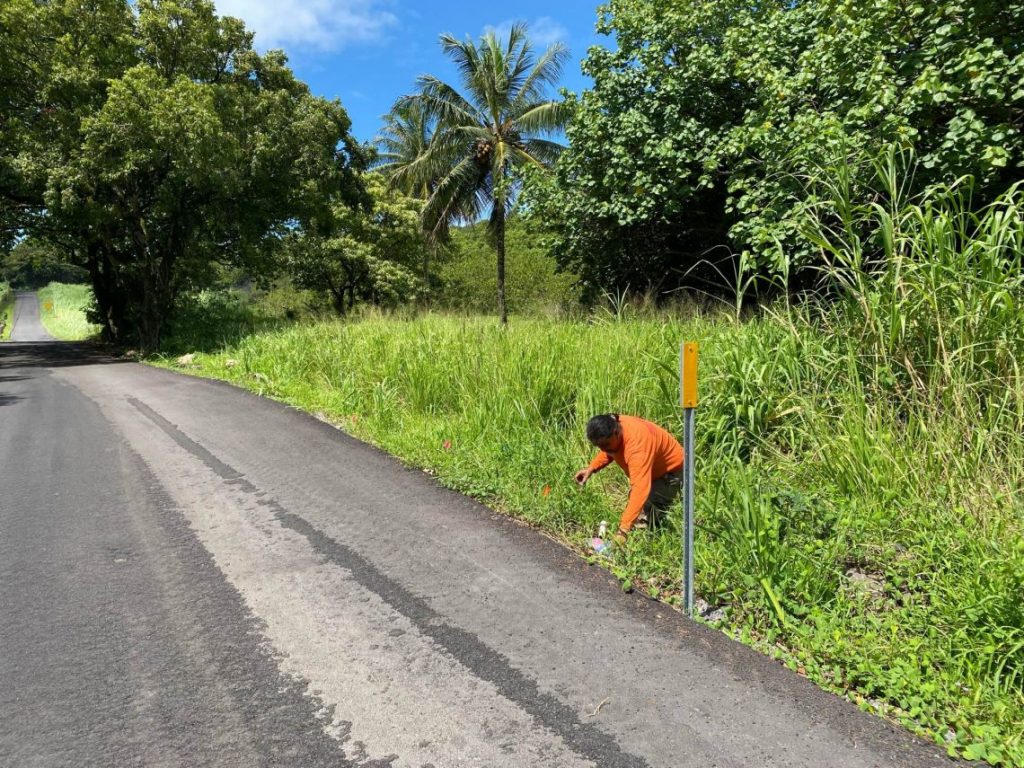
column 426, row 272
column 155, row 304
column 498, row 231
column 150, row 326
column 109, row 297
column 153, row 284
column 337, row 298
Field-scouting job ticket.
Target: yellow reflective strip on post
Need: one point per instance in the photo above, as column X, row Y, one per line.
column 689, row 375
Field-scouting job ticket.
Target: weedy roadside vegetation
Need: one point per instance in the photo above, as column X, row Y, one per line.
column 6, row 310
column 63, row 308
column 860, row 458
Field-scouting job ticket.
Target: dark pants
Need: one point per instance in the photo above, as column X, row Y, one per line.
column 663, row 493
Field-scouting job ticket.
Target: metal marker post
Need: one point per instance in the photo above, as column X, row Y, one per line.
column 688, row 400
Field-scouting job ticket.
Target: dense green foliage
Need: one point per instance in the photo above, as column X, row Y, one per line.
column 705, row 118
column 370, row 252
column 201, row 321
column 155, row 144
column 468, row 282
column 65, row 308
column 23, row 74
column 33, row 264
column 6, row 310
column 463, row 149
column 861, row 462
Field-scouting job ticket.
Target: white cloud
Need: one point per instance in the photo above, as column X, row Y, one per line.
column 321, row 24
column 542, row 31
column 546, row 31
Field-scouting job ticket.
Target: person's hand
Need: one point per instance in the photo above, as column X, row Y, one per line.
column 619, row 538
column 583, row 475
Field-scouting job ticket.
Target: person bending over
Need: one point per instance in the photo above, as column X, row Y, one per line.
column 650, row 457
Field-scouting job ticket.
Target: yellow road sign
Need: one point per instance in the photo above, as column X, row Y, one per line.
column 688, row 375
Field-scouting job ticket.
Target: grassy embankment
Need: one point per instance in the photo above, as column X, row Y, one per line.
column 6, row 310
column 62, row 309
column 860, row 462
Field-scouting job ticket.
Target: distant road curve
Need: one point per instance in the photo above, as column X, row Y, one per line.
column 27, row 325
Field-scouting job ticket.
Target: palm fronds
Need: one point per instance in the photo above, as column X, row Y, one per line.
column 460, row 148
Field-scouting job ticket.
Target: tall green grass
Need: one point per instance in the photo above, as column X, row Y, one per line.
column 860, row 458
column 6, row 310
column 63, row 308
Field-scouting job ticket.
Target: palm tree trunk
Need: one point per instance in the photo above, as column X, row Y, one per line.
column 427, row 252
column 498, row 225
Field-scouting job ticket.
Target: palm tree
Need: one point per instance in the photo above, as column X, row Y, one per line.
column 481, row 136
column 405, row 137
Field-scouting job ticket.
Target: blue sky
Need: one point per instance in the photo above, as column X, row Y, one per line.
column 369, row 52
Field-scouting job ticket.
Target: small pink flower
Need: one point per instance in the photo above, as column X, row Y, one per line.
column 447, row 445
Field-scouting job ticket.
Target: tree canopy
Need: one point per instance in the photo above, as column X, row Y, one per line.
column 368, row 252
column 706, row 118
column 158, row 144
column 33, row 264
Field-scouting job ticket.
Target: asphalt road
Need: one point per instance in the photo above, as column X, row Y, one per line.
column 26, row 325
column 194, row 576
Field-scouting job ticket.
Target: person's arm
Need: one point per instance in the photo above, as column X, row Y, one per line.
column 641, row 464
column 599, row 462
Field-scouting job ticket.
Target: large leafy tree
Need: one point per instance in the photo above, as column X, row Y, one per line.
column 33, row 264
column 499, row 122
column 58, row 59
column 367, row 252
column 20, row 71
column 168, row 147
column 706, row 118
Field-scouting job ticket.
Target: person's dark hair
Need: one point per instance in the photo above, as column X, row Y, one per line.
column 602, row 427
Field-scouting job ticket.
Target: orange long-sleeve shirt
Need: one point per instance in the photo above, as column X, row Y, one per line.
column 647, row 452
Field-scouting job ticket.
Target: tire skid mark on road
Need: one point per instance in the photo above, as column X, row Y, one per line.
column 585, row 739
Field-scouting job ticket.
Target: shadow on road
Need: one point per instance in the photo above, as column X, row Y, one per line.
column 51, row 354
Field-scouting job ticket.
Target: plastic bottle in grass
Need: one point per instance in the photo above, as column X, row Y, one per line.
column 598, row 543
